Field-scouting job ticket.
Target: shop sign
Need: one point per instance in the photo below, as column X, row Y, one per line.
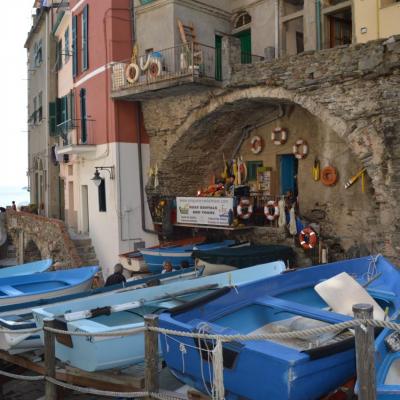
column 204, row 210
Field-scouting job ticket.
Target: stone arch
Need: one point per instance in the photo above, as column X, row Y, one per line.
column 229, row 113
column 31, row 251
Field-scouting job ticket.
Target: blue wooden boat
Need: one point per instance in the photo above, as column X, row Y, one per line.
column 19, row 316
column 177, row 251
column 101, row 353
column 223, row 259
column 20, row 289
column 26, row 269
column 298, row 369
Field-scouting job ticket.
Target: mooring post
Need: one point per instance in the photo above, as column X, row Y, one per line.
column 365, row 349
column 151, row 354
column 49, row 360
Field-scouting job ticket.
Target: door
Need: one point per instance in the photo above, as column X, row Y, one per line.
column 288, row 173
column 62, row 199
column 245, row 46
column 71, row 205
column 85, row 209
column 218, row 58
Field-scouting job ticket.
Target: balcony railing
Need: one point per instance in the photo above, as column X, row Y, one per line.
column 187, row 60
column 63, row 128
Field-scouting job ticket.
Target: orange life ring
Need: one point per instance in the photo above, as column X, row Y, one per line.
column 244, row 209
column 308, row 238
column 279, row 136
column 132, row 73
column 271, row 210
column 329, row 176
column 256, row 144
column 300, row 149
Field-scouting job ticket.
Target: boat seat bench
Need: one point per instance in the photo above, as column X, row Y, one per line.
column 10, row 291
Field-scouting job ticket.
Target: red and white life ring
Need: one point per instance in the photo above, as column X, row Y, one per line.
column 256, row 144
column 244, row 209
column 271, row 210
column 300, row 149
column 132, row 73
column 308, row 238
column 279, row 136
column 155, row 68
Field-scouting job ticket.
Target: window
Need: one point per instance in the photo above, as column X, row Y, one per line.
column 52, row 118
column 85, row 43
column 66, row 46
column 38, row 53
column 40, row 107
column 74, row 46
column 58, row 55
column 83, row 116
column 242, row 19
column 34, row 110
column 102, row 196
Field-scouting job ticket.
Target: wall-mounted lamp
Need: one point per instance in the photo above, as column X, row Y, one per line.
column 97, row 178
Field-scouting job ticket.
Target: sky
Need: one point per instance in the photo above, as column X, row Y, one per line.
column 15, row 22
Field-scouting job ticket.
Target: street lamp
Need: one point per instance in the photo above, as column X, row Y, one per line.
column 97, row 178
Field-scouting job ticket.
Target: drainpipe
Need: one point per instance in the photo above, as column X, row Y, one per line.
column 140, row 161
column 276, row 28
column 133, row 22
column 318, row 22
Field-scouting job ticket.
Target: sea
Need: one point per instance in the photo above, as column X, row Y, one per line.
column 13, row 193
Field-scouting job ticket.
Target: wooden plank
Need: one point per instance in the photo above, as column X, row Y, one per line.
column 96, row 380
column 195, row 395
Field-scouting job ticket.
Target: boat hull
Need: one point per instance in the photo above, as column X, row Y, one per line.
column 26, row 269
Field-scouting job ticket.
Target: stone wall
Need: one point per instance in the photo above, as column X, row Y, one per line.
column 49, row 236
column 352, row 91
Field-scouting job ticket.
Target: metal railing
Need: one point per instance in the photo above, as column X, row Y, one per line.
column 63, row 128
column 193, row 59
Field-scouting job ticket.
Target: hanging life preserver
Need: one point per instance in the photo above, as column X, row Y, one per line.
column 132, row 73
column 308, row 238
column 300, row 149
column 271, row 210
column 256, row 144
column 155, row 67
column 244, row 209
column 279, row 136
column 329, row 176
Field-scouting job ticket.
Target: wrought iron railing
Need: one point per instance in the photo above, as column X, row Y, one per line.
column 63, row 128
column 193, row 59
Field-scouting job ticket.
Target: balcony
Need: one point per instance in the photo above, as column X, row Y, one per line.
column 75, row 141
column 167, row 72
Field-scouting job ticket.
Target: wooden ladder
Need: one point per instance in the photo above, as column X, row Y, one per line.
column 188, row 37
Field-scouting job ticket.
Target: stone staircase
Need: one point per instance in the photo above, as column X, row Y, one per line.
column 85, row 249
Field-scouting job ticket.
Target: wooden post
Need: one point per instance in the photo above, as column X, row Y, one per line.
column 151, row 354
column 365, row 349
column 49, row 360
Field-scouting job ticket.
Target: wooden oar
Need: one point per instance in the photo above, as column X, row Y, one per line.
column 107, row 310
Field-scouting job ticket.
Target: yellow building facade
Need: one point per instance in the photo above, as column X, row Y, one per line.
column 374, row 19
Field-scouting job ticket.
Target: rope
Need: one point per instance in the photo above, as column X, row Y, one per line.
column 22, row 377
column 218, row 389
column 126, row 332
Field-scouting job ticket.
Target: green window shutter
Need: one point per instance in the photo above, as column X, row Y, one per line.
column 64, row 109
column 66, row 45
column 52, row 118
column 85, row 43
column 83, row 116
column 58, row 111
column 71, row 106
column 252, row 170
column 74, row 46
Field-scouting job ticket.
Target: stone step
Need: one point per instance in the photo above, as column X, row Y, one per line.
column 84, row 249
column 90, row 262
column 82, row 242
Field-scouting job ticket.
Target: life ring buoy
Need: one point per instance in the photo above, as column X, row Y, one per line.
column 308, row 238
column 279, row 136
column 256, row 144
column 244, row 209
column 144, row 65
column 132, row 73
column 329, row 176
column 155, row 68
column 271, row 210
column 300, row 149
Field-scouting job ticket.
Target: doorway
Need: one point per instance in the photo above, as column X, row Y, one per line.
column 71, row 206
column 288, row 167
column 85, row 209
column 245, row 46
column 218, row 58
